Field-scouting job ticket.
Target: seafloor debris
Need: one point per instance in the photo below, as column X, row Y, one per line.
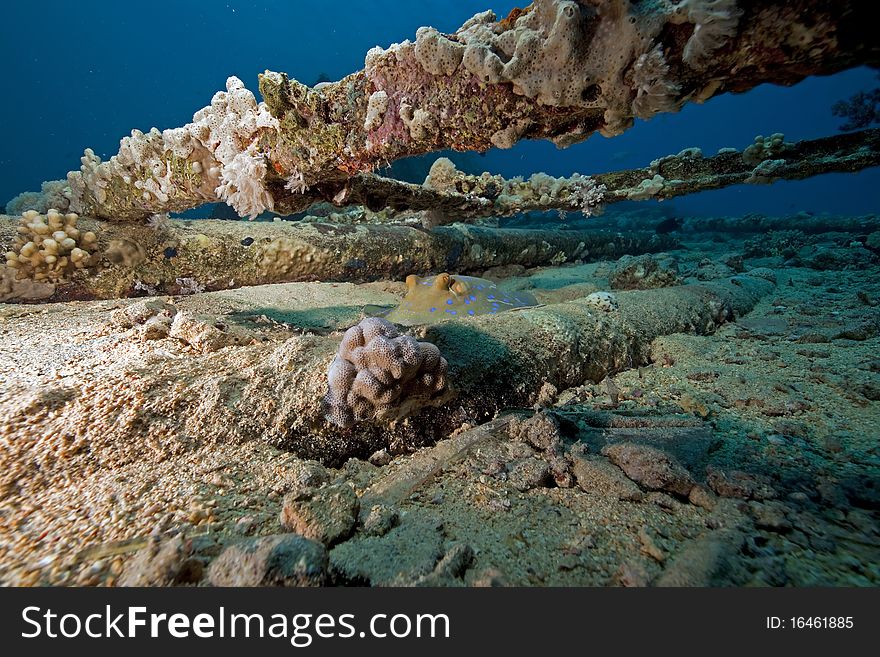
column 461, row 196
column 577, row 342
column 786, row 500
column 561, row 70
column 643, row 272
column 215, row 254
column 449, row 195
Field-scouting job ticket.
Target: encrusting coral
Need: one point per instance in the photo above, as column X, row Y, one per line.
column 765, row 148
column 511, row 196
column 379, row 374
column 557, row 70
column 217, row 157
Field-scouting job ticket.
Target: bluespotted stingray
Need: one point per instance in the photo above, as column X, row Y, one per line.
column 444, row 296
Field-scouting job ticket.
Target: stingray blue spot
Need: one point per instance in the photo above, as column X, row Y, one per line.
column 494, row 310
column 479, row 287
column 432, row 310
column 467, row 301
column 473, row 298
column 490, row 296
column 449, row 302
column 451, row 312
column 470, row 312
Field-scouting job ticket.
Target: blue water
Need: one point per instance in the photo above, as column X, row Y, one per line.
column 83, row 74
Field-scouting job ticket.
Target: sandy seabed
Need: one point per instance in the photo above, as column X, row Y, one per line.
column 745, row 457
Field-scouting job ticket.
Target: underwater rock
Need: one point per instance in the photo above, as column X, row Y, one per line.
column 763, row 272
column 827, row 257
column 433, row 299
column 631, row 574
column 689, row 445
column 279, row 560
column 736, row 483
column 379, row 374
column 13, row 289
column 595, row 475
column 202, row 334
column 643, row 272
column 650, row 467
column 409, row 551
column 541, row 431
column 860, row 328
column 770, row 515
column 456, row 561
column 140, row 312
column 380, row 520
column 702, row 497
column 704, row 560
column 710, row 270
column 156, row 328
column 305, row 477
column 528, row 473
column 380, row 457
column 327, row 515
column 449, row 570
column 166, row 562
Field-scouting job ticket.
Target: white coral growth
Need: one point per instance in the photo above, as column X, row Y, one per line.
column 242, row 184
column 296, row 183
column 715, row 21
column 221, row 136
column 229, row 127
column 655, row 92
